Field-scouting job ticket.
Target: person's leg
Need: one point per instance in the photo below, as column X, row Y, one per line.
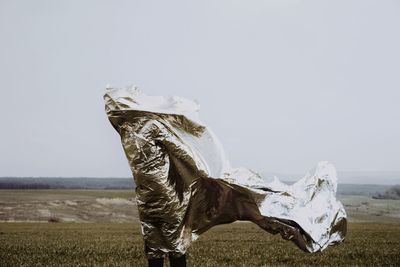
column 159, row 262
column 178, row 262
column 153, row 262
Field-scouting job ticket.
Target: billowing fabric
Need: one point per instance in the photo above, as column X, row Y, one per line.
column 185, row 185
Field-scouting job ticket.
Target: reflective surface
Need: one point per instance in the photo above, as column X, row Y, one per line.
column 185, row 185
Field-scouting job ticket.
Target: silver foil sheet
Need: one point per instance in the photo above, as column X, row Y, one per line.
column 185, row 184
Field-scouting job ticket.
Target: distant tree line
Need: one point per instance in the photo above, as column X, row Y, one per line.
column 376, row 191
column 362, row 189
column 16, row 185
column 66, row 183
column 392, row 193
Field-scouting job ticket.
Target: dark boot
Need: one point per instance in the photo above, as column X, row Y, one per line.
column 156, row 262
column 178, row 262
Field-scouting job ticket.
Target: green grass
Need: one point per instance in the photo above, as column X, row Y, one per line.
column 238, row 244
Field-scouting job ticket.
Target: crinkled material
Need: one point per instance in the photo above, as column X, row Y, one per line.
column 185, row 184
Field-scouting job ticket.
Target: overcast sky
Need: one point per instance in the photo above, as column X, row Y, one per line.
column 284, row 84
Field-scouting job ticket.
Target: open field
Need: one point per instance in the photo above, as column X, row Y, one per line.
column 367, row 209
column 101, row 228
column 103, row 206
column 238, row 244
column 40, row 205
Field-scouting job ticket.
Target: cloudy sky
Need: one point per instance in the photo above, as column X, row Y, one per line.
column 284, row 84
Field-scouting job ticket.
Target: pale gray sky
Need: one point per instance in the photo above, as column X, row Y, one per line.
column 284, row 84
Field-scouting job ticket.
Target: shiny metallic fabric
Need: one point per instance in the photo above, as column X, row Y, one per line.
column 185, row 185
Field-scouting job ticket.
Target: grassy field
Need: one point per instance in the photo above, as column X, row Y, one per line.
column 238, row 244
column 90, row 236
